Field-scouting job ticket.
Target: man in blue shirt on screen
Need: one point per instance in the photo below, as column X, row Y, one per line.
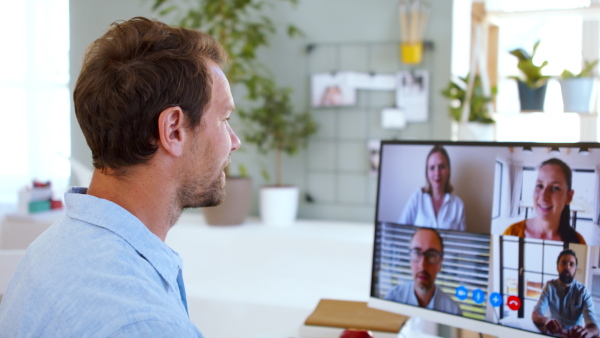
column 567, row 303
column 426, row 255
column 153, row 105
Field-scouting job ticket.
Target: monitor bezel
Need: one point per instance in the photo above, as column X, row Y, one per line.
column 440, row 317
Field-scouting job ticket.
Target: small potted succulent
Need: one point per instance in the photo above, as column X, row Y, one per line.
column 273, row 126
column 532, row 86
column 578, row 90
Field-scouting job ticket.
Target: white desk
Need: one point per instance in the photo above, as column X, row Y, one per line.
column 257, row 281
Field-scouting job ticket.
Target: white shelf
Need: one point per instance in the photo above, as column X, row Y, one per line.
column 546, row 127
column 587, row 13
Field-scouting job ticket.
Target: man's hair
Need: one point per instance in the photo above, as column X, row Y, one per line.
column 567, row 252
column 137, row 69
column 434, row 231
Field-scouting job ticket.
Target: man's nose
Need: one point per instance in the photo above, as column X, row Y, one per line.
column 235, row 141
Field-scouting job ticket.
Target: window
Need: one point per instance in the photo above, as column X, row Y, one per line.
column 34, row 77
column 569, row 33
column 537, row 260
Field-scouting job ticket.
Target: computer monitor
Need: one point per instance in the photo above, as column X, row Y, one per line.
column 486, row 200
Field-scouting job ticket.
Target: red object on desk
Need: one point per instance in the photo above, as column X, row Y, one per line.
column 351, row 333
column 56, row 204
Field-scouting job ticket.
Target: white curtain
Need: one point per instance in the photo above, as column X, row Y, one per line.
column 516, row 185
column 34, row 76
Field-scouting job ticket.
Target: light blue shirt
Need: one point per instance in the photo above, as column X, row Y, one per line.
column 96, row 272
column 419, row 211
column 568, row 305
column 405, row 293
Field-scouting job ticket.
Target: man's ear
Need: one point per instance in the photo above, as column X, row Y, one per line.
column 171, row 131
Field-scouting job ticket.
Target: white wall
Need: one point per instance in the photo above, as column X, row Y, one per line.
column 321, row 21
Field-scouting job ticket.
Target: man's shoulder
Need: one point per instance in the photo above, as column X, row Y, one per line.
column 441, row 295
column 400, row 292
column 582, row 289
column 443, row 302
column 84, row 275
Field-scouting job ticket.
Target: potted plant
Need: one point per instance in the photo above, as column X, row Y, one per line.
column 578, row 90
column 242, row 29
column 480, row 124
column 235, row 207
column 532, row 88
column 272, row 125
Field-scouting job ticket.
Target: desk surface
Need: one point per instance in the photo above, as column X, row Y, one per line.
column 253, row 280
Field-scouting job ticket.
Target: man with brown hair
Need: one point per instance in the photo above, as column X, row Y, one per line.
column 153, row 104
column 566, row 306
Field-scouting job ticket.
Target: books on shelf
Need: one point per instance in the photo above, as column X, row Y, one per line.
column 331, row 317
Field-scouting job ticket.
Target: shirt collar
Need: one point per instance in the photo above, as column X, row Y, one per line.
column 111, row 216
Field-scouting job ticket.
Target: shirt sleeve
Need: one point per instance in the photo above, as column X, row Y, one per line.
column 589, row 315
column 462, row 226
column 542, row 305
column 409, row 214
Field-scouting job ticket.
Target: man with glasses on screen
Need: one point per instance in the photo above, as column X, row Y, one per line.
column 426, row 255
column 567, row 302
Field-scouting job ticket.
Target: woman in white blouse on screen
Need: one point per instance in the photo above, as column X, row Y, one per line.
column 435, row 205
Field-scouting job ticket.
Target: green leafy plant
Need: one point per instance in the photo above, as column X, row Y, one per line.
column 272, row 124
column 456, row 91
column 532, row 73
column 586, row 70
column 239, row 25
column 242, row 28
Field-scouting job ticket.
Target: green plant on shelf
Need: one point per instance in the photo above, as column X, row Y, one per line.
column 586, row 71
column 242, row 28
column 532, row 73
column 456, row 91
column 272, row 125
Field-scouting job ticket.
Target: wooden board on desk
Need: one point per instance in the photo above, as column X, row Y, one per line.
column 331, row 317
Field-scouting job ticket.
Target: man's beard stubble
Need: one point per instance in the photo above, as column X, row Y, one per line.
column 195, row 194
column 565, row 277
column 422, row 286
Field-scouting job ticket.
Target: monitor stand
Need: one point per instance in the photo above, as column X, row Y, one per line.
column 419, row 328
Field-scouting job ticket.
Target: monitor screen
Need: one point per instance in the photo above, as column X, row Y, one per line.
column 498, row 238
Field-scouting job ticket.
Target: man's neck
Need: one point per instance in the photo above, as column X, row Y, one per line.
column 424, row 296
column 565, row 285
column 137, row 192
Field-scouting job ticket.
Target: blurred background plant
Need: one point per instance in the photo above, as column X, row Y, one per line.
column 586, row 71
column 532, row 74
column 456, row 91
column 242, row 28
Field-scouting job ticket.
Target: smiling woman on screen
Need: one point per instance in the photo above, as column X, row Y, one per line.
column 435, row 205
column 551, row 198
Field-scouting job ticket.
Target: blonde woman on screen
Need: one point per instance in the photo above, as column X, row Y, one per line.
column 551, row 198
column 435, row 205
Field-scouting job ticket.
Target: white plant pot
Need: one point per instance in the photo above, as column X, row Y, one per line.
column 279, row 205
column 473, row 131
column 579, row 94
